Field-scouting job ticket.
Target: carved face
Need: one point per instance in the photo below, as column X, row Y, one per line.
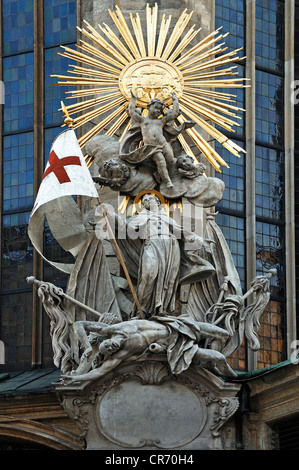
column 112, row 169
column 149, row 201
column 186, row 162
column 108, row 346
column 156, row 109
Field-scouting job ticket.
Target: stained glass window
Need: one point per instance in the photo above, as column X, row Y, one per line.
column 60, row 21
column 18, row 79
column 17, row 26
column 18, row 172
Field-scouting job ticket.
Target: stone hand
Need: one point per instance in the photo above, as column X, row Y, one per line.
column 105, row 209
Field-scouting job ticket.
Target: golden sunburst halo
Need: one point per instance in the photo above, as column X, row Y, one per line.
column 110, row 64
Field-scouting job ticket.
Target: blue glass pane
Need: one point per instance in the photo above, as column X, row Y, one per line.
column 269, row 178
column 17, row 26
column 234, row 179
column 231, row 15
column 270, row 34
column 237, row 100
column 50, row 135
column 17, row 172
column 269, row 109
column 18, row 81
column 55, row 65
column 60, row 21
column 233, row 229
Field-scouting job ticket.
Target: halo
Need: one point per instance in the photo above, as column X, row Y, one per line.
column 153, row 192
column 110, row 64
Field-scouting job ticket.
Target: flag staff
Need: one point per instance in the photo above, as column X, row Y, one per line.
column 69, row 122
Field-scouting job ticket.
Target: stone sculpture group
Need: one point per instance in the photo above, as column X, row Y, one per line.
column 163, row 257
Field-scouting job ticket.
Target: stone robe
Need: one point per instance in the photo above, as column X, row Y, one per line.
column 154, row 250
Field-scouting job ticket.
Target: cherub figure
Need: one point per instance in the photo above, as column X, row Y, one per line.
column 156, row 132
column 152, row 132
column 187, row 168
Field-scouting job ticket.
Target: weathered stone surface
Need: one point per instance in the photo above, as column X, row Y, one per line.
column 141, row 405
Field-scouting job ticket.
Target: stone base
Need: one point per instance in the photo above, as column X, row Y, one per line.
column 141, row 405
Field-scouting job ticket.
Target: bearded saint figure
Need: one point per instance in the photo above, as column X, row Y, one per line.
column 160, row 255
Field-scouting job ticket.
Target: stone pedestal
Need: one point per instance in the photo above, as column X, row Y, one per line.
column 141, row 405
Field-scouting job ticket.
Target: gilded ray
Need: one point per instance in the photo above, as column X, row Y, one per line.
column 220, row 95
column 101, row 41
column 164, row 27
column 203, row 44
column 101, row 125
column 127, row 127
column 83, row 119
column 222, row 107
column 227, row 143
column 114, row 39
column 91, row 91
column 215, row 117
column 72, row 81
column 136, row 23
column 202, row 57
column 187, row 147
column 119, row 122
column 86, row 59
column 151, row 20
column 111, row 60
column 218, row 83
column 176, row 33
column 218, row 73
column 91, row 73
column 123, row 28
column 82, row 105
column 112, row 63
column 189, row 36
column 217, row 62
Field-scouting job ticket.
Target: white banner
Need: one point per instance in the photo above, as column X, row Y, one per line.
column 66, row 175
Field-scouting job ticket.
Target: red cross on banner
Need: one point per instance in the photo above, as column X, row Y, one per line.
column 66, row 164
column 57, row 167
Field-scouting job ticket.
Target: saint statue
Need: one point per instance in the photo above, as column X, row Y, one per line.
column 160, row 254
